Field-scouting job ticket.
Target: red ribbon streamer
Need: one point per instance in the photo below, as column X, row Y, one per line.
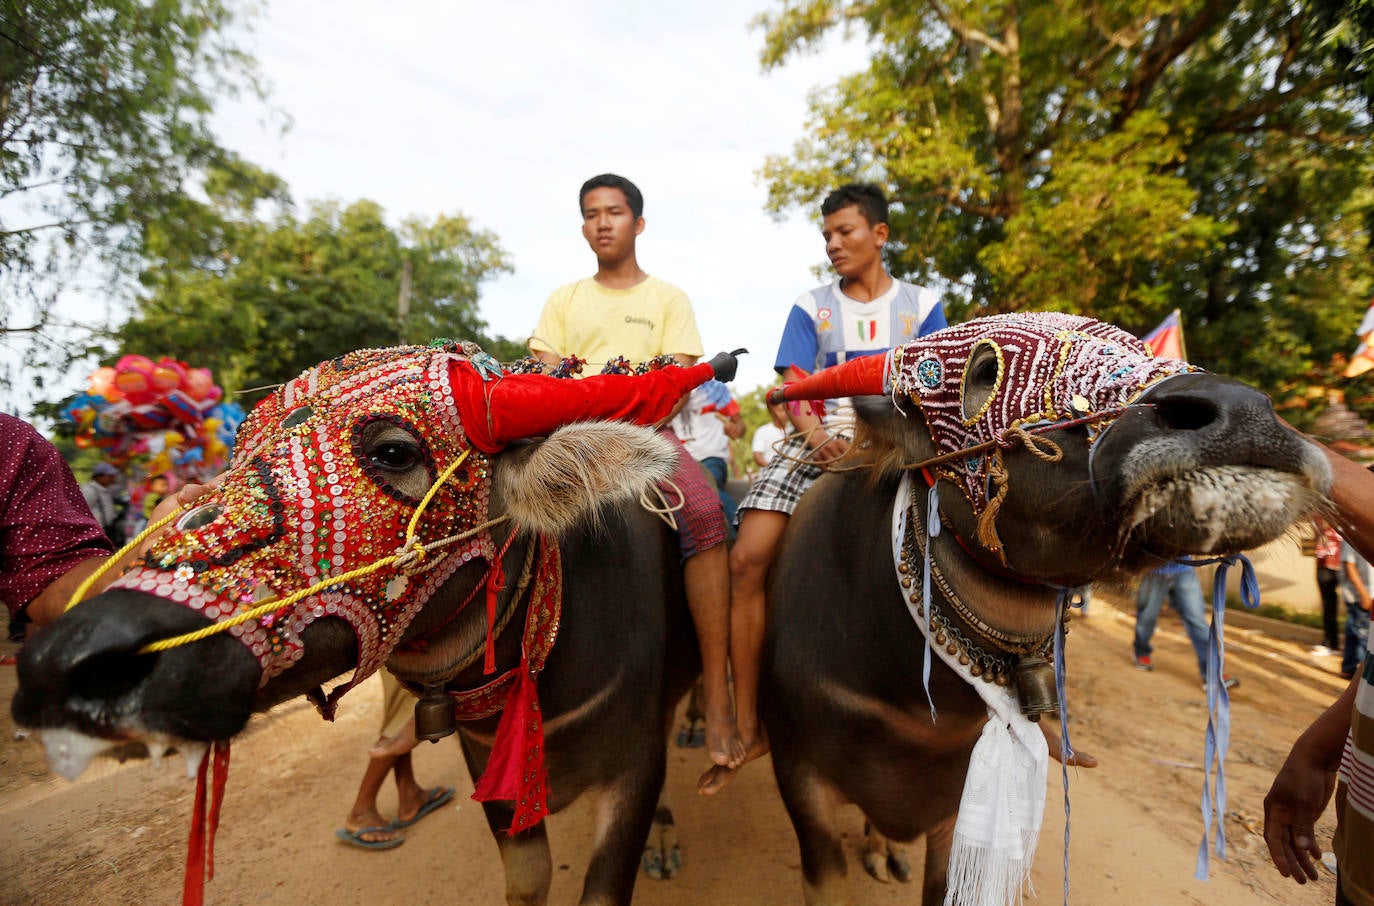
column 200, row 846
column 515, row 770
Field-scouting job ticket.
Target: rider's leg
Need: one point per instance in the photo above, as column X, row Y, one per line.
column 706, row 579
column 750, row 559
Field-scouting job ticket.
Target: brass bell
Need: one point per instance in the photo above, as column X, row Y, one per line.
column 434, row 714
column 1035, row 686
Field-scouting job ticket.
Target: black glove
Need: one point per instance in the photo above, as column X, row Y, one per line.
column 725, row 364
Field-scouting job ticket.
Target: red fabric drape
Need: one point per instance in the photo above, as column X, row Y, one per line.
column 496, row 412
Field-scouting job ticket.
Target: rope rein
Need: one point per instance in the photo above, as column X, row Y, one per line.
column 408, row 558
column 662, row 508
column 85, row 586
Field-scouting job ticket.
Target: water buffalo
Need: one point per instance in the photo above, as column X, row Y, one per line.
column 397, row 461
column 1062, row 453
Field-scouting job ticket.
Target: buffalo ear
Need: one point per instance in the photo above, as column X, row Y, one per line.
column 566, row 480
column 894, row 427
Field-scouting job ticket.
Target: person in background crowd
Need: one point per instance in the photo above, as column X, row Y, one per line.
column 1327, row 551
column 706, row 425
column 1179, row 583
column 1356, row 589
column 101, row 494
column 766, row 437
column 49, row 541
column 158, row 486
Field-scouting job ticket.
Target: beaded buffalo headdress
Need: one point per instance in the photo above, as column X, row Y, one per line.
column 304, row 504
column 1050, row 369
column 308, row 506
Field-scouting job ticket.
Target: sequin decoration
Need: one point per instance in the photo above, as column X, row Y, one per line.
column 300, row 504
column 1053, row 367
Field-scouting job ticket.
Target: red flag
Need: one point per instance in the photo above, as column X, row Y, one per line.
column 1166, row 340
column 1363, row 359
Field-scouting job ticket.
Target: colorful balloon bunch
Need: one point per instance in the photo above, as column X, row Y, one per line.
column 163, row 416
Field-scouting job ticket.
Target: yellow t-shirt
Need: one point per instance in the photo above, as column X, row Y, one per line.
column 596, row 323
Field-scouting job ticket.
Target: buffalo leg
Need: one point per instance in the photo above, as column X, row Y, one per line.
column 884, row 859
column 811, row 804
column 662, row 858
column 934, row 879
column 525, row 856
column 623, row 814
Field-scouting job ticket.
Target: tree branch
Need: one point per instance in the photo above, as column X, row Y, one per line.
column 967, row 33
column 1270, row 103
column 953, row 199
column 44, row 226
column 1160, row 54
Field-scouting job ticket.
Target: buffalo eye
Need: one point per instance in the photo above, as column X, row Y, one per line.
column 982, row 379
column 394, row 456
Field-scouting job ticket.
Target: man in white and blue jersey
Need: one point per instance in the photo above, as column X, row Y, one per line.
column 864, row 311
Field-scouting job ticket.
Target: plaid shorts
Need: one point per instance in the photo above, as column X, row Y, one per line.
column 780, row 484
column 701, row 521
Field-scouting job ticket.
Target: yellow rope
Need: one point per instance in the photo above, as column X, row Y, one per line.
column 80, row 593
column 411, row 550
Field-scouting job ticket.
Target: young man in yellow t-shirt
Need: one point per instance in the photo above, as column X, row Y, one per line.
column 622, row 311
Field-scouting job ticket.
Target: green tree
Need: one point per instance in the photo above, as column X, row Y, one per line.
column 104, row 108
column 273, row 297
column 1118, row 159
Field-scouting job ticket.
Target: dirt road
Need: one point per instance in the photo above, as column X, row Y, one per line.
column 118, row 835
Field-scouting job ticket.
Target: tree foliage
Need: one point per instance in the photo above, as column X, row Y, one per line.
column 104, row 110
column 270, row 297
column 1118, row 158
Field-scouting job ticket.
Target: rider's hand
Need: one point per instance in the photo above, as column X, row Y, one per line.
column 830, row 450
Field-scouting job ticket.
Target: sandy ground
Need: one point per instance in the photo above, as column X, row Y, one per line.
column 118, row 835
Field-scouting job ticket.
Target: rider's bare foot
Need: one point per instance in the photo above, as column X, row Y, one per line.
column 717, row 776
column 723, row 740
column 727, row 749
column 1077, row 759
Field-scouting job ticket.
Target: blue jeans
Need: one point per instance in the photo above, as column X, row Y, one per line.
column 1185, row 593
column 721, row 473
column 1356, row 638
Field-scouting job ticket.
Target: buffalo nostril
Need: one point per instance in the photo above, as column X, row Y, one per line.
column 108, row 676
column 1186, row 413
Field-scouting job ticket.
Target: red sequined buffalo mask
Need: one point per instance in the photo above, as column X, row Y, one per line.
column 303, row 505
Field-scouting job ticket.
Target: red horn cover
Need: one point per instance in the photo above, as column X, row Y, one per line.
column 494, row 413
column 857, row 377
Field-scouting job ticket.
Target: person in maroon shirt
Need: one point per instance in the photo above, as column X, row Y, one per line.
column 49, row 541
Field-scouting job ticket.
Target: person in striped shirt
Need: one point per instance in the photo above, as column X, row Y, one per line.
column 864, row 311
column 1335, row 753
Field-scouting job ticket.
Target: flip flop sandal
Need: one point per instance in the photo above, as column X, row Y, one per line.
column 355, row 838
column 433, row 800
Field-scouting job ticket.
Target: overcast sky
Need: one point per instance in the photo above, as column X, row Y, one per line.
column 501, row 110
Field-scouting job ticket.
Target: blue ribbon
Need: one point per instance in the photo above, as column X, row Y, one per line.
column 1219, row 706
column 1065, row 749
column 932, row 532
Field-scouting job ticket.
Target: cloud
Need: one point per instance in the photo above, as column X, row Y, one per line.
column 502, row 110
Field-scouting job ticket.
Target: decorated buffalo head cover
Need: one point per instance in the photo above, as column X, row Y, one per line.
column 1033, row 369
column 302, row 503
column 309, row 513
